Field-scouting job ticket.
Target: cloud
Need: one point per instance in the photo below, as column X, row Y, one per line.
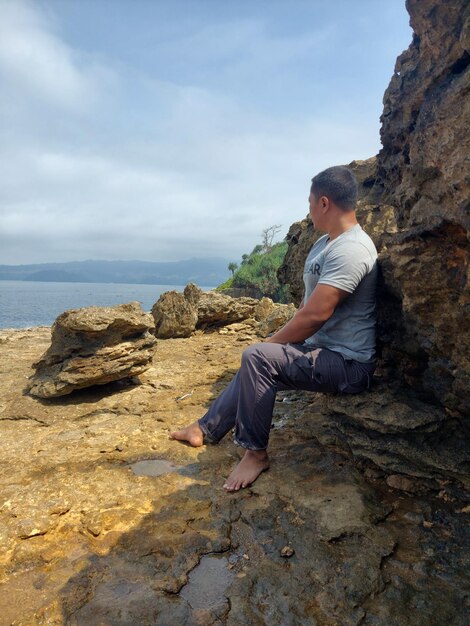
column 112, row 159
column 37, row 63
column 213, row 195
column 35, row 60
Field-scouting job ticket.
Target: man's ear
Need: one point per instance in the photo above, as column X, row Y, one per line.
column 325, row 204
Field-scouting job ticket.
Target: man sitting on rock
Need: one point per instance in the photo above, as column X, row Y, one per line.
column 329, row 344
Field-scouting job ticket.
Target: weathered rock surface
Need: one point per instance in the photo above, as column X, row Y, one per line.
column 174, row 316
column 180, row 314
column 95, row 532
column 276, row 319
column 425, row 159
column 94, row 346
column 423, row 169
column 400, row 433
column 414, row 202
column 215, row 309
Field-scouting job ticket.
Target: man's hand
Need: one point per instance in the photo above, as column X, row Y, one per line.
column 311, row 317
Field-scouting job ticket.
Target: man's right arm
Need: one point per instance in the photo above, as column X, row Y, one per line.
column 309, row 318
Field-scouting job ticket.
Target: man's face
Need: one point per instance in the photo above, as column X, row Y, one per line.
column 315, row 214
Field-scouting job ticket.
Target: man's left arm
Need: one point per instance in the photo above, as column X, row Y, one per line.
column 317, row 310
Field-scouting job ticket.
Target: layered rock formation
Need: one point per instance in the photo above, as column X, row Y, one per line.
column 414, row 202
column 94, row 346
column 180, row 314
column 214, row 309
column 174, row 316
column 424, row 163
column 423, row 169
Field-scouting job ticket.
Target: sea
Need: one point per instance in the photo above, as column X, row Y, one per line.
column 24, row 304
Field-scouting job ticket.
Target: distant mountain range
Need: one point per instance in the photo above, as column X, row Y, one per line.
column 206, row 272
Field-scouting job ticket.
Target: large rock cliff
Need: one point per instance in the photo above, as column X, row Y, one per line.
column 414, row 201
column 424, row 170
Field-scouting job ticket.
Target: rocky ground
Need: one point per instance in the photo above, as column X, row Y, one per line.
column 106, row 521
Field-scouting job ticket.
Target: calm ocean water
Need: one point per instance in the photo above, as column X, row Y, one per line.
column 24, row 304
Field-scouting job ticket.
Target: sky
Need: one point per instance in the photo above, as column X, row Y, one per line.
column 164, row 130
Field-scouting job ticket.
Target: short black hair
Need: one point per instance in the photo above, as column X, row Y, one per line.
column 338, row 184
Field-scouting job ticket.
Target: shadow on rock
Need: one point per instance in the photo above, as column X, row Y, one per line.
column 310, row 542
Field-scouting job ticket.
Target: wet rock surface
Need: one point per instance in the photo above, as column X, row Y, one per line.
column 105, row 520
column 94, row 346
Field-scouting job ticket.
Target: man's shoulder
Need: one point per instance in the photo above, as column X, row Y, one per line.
column 317, row 245
column 355, row 242
column 319, row 242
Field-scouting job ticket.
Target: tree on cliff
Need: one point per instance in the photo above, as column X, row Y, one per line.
column 257, row 273
column 232, row 267
column 268, row 235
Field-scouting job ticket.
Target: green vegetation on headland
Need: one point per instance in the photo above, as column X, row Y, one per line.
column 257, row 274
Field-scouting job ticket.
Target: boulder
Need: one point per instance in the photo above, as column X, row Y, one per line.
column 174, row 315
column 278, row 317
column 94, row 346
column 215, row 309
column 180, row 314
column 264, row 308
column 192, row 293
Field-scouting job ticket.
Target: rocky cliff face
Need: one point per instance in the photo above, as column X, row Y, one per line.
column 424, row 171
column 414, row 202
column 424, row 163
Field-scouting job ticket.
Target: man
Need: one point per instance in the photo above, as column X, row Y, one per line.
column 329, row 344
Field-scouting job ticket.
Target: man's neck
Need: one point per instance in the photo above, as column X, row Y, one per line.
column 344, row 223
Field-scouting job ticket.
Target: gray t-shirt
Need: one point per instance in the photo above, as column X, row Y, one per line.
column 349, row 262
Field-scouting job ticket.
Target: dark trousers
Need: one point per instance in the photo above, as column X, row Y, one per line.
column 247, row 403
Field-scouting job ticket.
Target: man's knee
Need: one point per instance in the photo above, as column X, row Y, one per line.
column 252, row 353
column 263, row 353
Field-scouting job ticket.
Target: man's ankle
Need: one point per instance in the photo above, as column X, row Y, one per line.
column 258, row 454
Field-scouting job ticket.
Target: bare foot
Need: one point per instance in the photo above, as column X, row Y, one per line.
column 247, row 471
column 192, row 434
